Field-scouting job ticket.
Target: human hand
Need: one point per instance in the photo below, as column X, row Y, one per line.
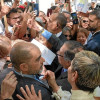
column 26, row 15
column 29, row 95
column 51, row 80
column 5, row 10
column 50, row 77
column 16, row 29
column 70, row 24
column 8, row 34
column 8, row 85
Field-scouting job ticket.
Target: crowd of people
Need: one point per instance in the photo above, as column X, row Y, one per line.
column 74, row 73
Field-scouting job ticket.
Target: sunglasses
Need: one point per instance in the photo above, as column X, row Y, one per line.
column 84, row 21
column 68, row 35
column 29, row 35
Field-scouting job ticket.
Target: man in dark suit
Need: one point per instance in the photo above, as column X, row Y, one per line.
column 27, row 61
column 94, row 43
column 56, row 23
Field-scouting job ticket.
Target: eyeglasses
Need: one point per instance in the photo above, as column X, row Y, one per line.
column 84, row 21
column 68, row 36
column 29, row 35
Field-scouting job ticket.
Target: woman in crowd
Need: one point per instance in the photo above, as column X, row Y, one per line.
column 67, row 32
column 84, row 23
column 82, row 35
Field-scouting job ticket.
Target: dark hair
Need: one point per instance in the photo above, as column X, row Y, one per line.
column 73, row 48
column 53, row 7
column 96, row 13
column 68, row 55
column 71, row 44
column 65, row 29
column 14, row 10
column 61, row 19
column 66, row 12
column 85, row 31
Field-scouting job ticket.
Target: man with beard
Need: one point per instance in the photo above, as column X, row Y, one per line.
column 27, row 62
column 94, row 43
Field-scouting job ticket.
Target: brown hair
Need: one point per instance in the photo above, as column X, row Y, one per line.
column 83, row 30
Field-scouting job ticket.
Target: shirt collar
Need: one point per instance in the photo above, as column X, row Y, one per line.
column 58, row 34
column 24, row 75
column 95, row 33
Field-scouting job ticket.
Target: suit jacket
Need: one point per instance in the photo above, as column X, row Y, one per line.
column 62, row 38
column 61, row 79
column 94, row 43
column 63, row 82
column 56, row 45
column 22, row 81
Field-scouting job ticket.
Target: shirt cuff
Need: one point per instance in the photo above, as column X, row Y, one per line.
column 61, row 94
column 46, row 34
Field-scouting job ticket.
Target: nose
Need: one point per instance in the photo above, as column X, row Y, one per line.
column 42, row 60
column 18, row 20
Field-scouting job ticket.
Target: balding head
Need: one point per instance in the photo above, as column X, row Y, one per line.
column 21, row 53
column 56, row 23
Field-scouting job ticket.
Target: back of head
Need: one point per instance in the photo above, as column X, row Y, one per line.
column 73, row 45
column 87, row 65
column 21, row 53
column 61, row 19
column 73, row 48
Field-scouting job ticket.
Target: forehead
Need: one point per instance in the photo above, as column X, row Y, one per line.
column 85, row 18
column 35, row 52
column 14, row 14
column 92, row 17
column 81, row 34
column 41, row 13
column 63, row 48
column 53, row 16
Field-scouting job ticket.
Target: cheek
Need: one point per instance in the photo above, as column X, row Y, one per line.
column 60, row 59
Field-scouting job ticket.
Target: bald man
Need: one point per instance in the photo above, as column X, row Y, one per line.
column 27, row 62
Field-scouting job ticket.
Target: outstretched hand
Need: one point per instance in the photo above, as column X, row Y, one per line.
column 29, row 95
column 8, row 86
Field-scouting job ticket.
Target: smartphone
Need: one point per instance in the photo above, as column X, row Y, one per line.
column 74, row 18
column 30, row 6
column 36, row 8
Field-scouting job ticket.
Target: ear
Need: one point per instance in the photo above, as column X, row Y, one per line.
column 23, row 67
column 58, row 25
column 74, row 76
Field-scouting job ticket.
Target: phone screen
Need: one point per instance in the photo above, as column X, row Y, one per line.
column 33, row 7
column 74, row 18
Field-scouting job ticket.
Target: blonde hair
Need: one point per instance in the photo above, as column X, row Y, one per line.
column 87, row 64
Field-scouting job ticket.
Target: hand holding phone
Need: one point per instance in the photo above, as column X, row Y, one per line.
column 74, row 18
